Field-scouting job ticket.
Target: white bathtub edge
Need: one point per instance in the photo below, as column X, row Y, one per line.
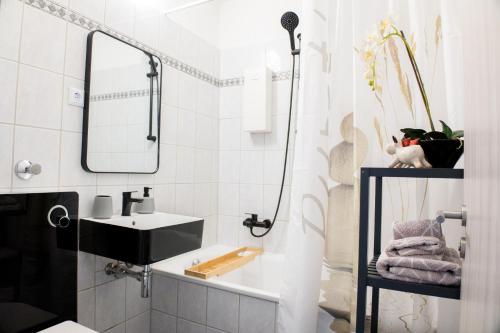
column 224, row 285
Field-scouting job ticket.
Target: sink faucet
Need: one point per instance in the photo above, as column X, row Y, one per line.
column 127, row 202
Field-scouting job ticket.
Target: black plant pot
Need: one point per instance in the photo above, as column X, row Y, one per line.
column 442, row 153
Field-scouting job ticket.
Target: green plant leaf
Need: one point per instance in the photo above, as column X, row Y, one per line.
column 458, row 134
column 435, row 135
column 413, row 133
column 447, row 130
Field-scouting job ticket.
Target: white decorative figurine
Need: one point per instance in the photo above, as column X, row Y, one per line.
column 407, row 156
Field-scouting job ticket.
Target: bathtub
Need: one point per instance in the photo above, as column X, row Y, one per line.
column 244, row 300
column 260, row 278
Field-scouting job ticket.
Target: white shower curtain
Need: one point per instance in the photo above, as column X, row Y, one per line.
column 342, row 125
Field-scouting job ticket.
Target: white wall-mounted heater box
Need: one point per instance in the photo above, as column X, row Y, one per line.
column 257, row 100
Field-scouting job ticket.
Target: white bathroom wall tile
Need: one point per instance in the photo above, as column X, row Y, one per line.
column 86, row 195
column 110, row 304
column 186, row 326
column 8, row 87
column 251, row 199
column 246, row 239
column 11, row 13
column 86, row 269
column 170, row 86
column 192, row 302
column 162, row 323
column 165, row 198
column 71, row 115
column 102, row 278
column 166, row 172
column 276, row 140
column 35, row 189
column 164, row 294
column 203, row 165
column 204, row 132
column 147, row 22
column 187, row 92
column 140, row 179
column 188, row 47
column 185, row 165
column 229, row 166
column 202, row 200
column 39, row 146
column 186, row 128
column 251, row 308
column 43, row 40
column 230, row 102
column 281, row 97
column 252, row 141
column 86, row 308
column 93, row 9
column 273, row 166
column 215, row 166
column 229, row 134
column 37, row 106
column 134, row 303
column 71, row 172
column 222, row 310
column 184, row 199
column 139, row 324
column 275, row 241
column 7, row 140
column 205, row 97
column 209, row 231
column 229, row 199
column 76, row 45
column 214, row 198
column 119, row 15
column 169, row 37
column 271, row 195
column 168, row 124
column 104, row 179
column 205, row 55
column 252, row 167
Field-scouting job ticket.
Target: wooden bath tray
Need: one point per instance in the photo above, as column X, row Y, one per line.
column 223, row 264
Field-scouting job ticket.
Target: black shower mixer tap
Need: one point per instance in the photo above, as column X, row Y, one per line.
column 253, row 222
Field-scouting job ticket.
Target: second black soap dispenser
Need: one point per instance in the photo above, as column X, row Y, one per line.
column 147, row 206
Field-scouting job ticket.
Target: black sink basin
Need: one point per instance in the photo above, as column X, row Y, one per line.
column 141, row 239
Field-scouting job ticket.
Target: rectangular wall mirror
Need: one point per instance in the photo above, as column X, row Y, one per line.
column 121, row 118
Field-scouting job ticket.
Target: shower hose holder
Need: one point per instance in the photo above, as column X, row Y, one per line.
column 253, row 222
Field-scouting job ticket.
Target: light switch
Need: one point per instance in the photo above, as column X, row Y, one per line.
column 75, row 97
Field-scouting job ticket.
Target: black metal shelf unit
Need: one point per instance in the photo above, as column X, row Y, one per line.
column 367, row 273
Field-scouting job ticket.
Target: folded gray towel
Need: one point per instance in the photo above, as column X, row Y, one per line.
column 422, row 270
column 421, row 246
column 417, row 228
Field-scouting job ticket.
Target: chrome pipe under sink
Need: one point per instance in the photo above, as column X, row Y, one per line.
column 120, row 269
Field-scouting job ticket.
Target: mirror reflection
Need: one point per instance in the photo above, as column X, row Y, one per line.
column 122, row 107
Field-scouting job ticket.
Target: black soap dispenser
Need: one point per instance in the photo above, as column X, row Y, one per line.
column 147, row 206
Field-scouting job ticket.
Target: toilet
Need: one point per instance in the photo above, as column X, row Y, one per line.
column 68, row 326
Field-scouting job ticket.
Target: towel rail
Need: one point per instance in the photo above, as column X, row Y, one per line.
column 461, row 215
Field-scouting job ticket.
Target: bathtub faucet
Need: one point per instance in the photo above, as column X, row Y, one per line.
column 253, row 221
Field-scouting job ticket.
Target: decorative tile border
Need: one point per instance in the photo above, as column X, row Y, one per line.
column 121, row 95
column 76, row 18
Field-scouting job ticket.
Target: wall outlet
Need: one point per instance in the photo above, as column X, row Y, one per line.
column 75, row 97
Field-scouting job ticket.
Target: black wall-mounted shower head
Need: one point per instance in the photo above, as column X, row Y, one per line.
column 290, row 21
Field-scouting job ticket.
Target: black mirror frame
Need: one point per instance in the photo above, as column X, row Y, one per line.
column 86, row 104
